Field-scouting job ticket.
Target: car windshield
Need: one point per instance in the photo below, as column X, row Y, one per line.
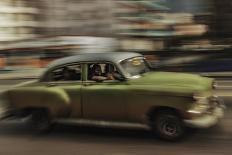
column 135, row 66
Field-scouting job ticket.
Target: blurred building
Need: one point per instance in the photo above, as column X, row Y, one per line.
column 76, row 17
column 153, row 27
column 32, row 29
column 18, row 20
column 159, row 28
column 166, row 21
column 222, row 19
column 24, row 19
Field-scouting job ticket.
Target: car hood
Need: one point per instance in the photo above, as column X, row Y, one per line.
column 171, row 81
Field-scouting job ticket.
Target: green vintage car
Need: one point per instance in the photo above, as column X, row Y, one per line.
column 115, row 89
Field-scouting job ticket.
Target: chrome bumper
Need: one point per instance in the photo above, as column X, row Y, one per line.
column 210, row 117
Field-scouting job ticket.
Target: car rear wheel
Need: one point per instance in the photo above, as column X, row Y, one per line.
column 40, row 120
column 168, row 126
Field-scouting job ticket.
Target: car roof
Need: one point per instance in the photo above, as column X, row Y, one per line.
column 114, row 57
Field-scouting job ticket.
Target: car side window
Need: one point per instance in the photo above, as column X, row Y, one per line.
column 101, row 72
column 66, row 73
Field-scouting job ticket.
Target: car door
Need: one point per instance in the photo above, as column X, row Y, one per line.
column 104, row 100
column 69, row 79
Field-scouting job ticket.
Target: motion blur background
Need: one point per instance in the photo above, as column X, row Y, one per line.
column 174, row 35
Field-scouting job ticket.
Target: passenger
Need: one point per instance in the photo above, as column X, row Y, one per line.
column 66, row 74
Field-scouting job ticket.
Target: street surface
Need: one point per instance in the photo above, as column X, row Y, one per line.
column 17, row 138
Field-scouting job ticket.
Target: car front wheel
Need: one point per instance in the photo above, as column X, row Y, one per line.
column 168, row 126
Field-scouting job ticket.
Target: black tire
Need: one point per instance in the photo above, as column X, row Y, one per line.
column 40, row 121
column 167, row 125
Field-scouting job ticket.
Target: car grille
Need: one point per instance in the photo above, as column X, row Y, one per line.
column 214, row 102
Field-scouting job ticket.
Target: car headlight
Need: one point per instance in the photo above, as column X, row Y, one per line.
column 200, row 106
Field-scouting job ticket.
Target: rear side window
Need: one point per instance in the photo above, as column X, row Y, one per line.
column 66, row 73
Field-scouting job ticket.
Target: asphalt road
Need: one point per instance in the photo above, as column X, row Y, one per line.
column 17, row 138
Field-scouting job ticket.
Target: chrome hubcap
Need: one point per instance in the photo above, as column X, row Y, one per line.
column 169, row 127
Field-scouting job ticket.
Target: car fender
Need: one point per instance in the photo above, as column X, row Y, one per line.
column 143, row 102
column 56, row 100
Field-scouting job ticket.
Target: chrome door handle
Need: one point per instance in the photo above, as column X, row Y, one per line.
column 86, row 84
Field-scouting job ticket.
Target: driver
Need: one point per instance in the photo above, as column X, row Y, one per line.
column 109, row 71
column 96, row 73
